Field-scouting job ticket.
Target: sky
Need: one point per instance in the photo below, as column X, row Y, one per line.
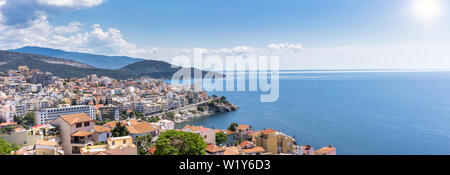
column 305, row 34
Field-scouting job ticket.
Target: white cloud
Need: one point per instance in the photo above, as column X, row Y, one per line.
column 71, row 28
column 70, row 37
column 71, row 3
column 235, row 51
column 22, row 12
column 286, row 47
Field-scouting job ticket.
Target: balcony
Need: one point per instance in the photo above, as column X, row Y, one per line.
column 81, row 142
column 82, row 138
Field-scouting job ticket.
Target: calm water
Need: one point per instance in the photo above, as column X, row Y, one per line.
column 359, row 113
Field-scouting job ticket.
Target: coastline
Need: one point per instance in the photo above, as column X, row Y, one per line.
column 210, row 109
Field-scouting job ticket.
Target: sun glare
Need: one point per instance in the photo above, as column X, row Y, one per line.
column 427, row 10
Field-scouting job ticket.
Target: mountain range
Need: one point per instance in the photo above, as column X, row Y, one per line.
column 76, row 64
column 99, row 61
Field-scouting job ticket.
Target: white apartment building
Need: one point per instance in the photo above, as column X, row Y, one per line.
column 5, row 114
column 47, row 115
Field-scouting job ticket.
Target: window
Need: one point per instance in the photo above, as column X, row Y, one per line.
column 86, row 123
column 124, row 142
column 79, row 125
column 113, row 143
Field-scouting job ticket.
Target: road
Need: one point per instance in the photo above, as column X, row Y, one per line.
column 182, row 108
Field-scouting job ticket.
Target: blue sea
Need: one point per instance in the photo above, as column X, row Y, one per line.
column 360, row 113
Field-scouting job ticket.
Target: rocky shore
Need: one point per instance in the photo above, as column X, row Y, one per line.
column 211, row 108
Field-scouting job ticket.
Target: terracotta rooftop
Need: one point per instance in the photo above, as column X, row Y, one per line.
column 243, row 127
column 118, row 152
column 232, row 151
column 195, row 128
column 76, row 118
column 7, row 124
column 46, row 143
column 268, row 131
column 123, row 122
column 257, row 149
column 81, row 133
column 325, row 150
column 141, row 127
column 245, row 144
column 101, row 129
column 228, row 132
column 214, row 148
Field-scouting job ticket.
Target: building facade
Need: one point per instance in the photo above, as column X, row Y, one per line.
column 45, row 116
column 76, row 132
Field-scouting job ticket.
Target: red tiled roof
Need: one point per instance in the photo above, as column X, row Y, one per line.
column 257, row 149
column 243, row 127
column 81, row 133
column 268, row 131
column 214, row 148
column 76, row 118
column 7, row 124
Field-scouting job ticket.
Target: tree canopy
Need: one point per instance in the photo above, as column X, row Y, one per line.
column 221, row 138
column 27, row 120
column 180, row 143
column 143, row 143
column 170, row 115
column 6, row 148
column 233, row 126
column 120, row 130
column 201, row 108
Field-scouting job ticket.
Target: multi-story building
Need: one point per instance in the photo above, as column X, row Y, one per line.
column 101, row 134
column 139, row 107
column 110, row 112
column 243, row 132
column 5, row 114
column 47, row 115
column 76, row 132
column 115, row 146
column 249, row 148
column 165, row 125
column 20, row 109
column 44, row 79
column 231, row 138
column 208, row 134
column 275, row 142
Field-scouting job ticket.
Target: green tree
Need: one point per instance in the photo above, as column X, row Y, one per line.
column 143, row 143
column 174, row 142
column 123, row 117
column 233, row 126
column 170, row 115
column 8, row 129
column 201, row 108
column 138, row 115
column 221, row 138
column 5, row 147
column 28, row 119
column 154, row 119
column 120, row 130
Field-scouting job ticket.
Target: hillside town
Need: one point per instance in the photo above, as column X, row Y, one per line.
column 42, row 114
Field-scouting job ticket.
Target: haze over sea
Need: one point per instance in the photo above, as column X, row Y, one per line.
column 369, row 113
